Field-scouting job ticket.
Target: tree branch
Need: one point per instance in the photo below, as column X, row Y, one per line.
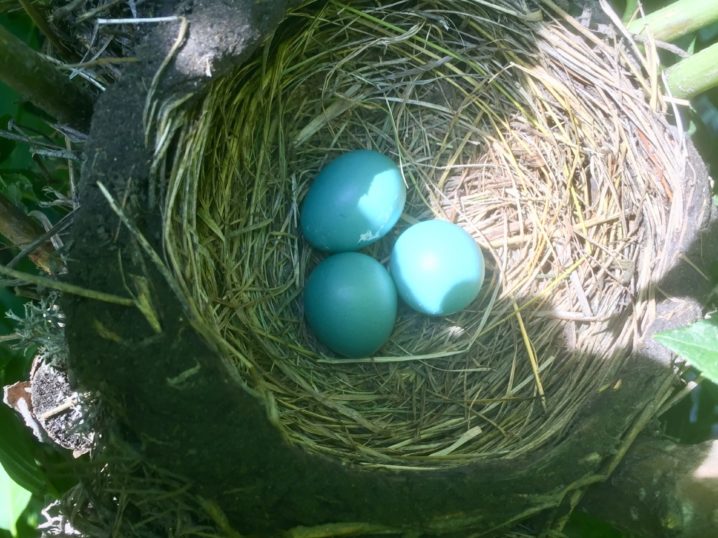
column 41, row 82
column 21, row 231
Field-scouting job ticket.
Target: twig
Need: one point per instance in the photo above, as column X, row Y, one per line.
column 68, row 404
column 148, row 20
column 24, row 232
column 40, row 81
column 10, row 337
column 45, row 28
column 63, row 223
column 66, row 288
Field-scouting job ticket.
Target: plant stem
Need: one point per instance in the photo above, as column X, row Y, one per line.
column 631, row 6
column 66, row 287
column 42, row 83
column 44, row 27
column 695, row 74
column 21, row 230
column 678, row 19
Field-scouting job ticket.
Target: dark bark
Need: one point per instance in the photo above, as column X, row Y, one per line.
column 661, row 490
column 191, row 417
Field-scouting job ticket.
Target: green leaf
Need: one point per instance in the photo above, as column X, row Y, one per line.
column 697, row 343
column 17, row 449
column 13, row 500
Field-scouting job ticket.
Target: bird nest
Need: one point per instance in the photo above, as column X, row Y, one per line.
column 545, row 142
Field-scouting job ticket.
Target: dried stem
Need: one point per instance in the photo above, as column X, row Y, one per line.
column 34, row 13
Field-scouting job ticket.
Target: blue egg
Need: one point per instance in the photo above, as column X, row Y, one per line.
column 354, row 201
column 350, row 304
column 437, row 267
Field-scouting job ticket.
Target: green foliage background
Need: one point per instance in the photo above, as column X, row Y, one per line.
column 31, row 474
column 14, row 520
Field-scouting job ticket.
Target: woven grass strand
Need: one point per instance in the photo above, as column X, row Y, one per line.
column 545, row 143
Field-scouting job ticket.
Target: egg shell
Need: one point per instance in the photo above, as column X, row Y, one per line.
column 354, row 201
column 437, row 267
column 350, row 304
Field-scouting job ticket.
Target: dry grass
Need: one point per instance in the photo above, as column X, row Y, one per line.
column 120, row 496
column 544, row 142
column 85, row 48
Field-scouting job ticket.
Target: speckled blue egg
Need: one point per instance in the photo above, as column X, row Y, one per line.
column 354, row 201
column 437, row 267
column 350, row 304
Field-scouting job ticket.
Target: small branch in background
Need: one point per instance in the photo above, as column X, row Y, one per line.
column 660, row 490
column 677, row 19
column 66, row 287
column 9, row 337
column 695, row 74
column 41, row 82
column 22, row 231
column 45, row 28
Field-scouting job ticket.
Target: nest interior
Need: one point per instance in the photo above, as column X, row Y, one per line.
column 548, row 144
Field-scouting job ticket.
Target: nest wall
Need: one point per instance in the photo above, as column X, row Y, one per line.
column 547, row 143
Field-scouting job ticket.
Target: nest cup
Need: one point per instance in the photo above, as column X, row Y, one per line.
column 544, row 142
